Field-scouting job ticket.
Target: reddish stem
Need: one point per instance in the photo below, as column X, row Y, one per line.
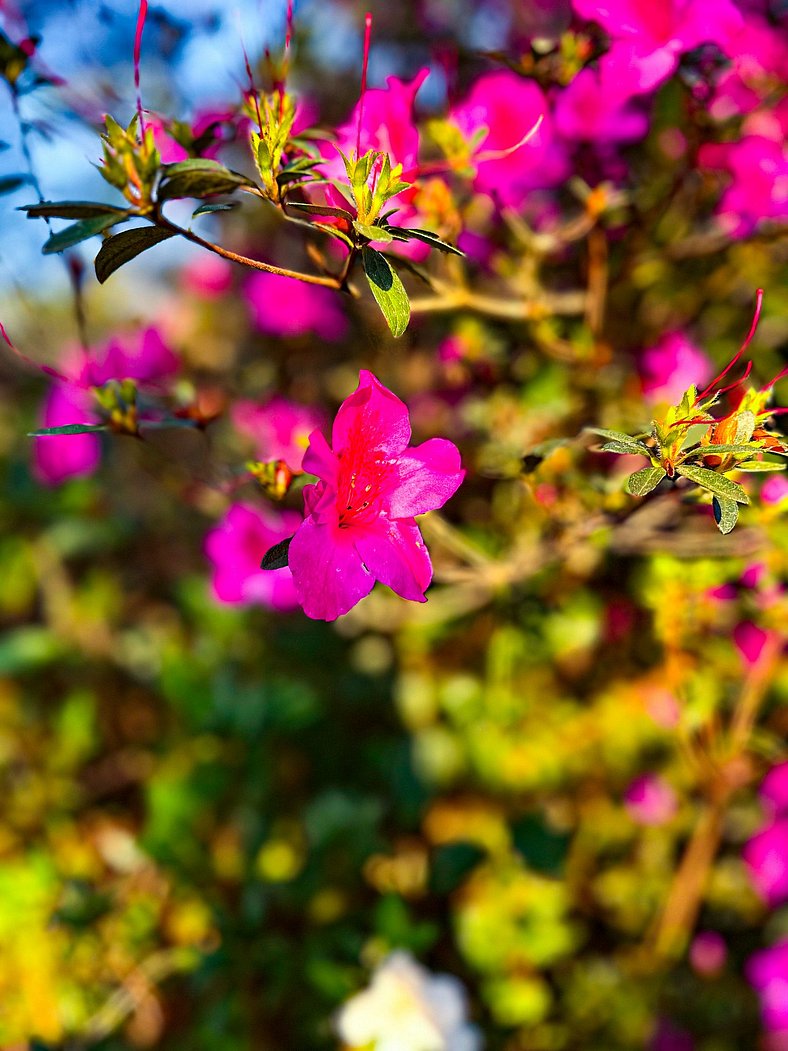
column 735, row 358
column 365, row 64
column 141, row 16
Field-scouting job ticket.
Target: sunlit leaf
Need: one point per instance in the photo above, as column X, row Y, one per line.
column 643, row 481
column 714, row 482
column 387, row 289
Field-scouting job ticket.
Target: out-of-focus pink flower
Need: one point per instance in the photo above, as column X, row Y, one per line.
column 279, row 428
column 236, row 546
column 775, row 489
column 750, row 640
column 56, row 458
column 143, row 357
column 759, row 55
column 509, row 106
column 662, row 706
column 360, row 517
column 282, row 306
column 211, row 124
column 708, row 953
column 758, row 189
column 774, row 789
column 766, row 856
column 650, row 800
column 672, row 365
column 649, row 38
column 753, row 575
column 207, row 276
column 767, row 973
column 588, row 110
column 723, row 593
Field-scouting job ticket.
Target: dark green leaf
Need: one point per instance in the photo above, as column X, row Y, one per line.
column 70, row 210
column 198, row 177
column 430, row 239
column 276, row 556
column 125, row 246
column 643, row 481
column 714, row 482
column 206, row 209
column 387, row 289
column 321, row 209
column 726, row 513
column 69, row 428
column 81, row 231
column 9, row 183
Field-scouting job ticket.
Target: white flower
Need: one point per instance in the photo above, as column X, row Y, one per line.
column 406, row 1008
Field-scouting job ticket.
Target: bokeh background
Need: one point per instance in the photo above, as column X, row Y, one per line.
column 219, row 818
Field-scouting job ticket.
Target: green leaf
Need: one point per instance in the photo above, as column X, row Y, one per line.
column 69, row 428
column 81, row 231
column 70, row 210
column 726, row 450
column 714, row 482
column 198, row 177
column 630, row 448
column 387, row 289
column 276, row 556
column 125, row 246
column 206, row 209
column 759, row 465
column 373, row 233
column 726, row 513
column 429, row 238
column 615, row 436
column 643, row 481
column 9, row 183
column 321, row 209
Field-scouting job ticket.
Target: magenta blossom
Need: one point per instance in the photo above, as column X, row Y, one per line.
column 508, row 107
column 280, row 429
column 360, row 516
column 774, row 789
column 650, row 37
column 708, row 953
column 589, row 110
column 283, row 307
column 758, row 190
column 650, row 800
column 144, row 358
column 672, row 365
column 767, row 973
column 766, row 857
column 750, row 640
column 775, row 489
column 235, row 547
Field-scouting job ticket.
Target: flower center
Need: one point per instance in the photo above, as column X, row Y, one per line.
column 360, row 489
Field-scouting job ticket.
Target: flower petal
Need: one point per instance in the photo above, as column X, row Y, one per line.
column 320, row 460
column 328, row 574
column 395, row 554
column 372, row 419
column 58, row 457
column 427, row 476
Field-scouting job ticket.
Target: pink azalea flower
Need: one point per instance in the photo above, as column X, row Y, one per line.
column 171, row 150
column 758, row 190
column 509, row 106
column 672, row 365
column 708, row 953
column 360, row 516
column 774, row 789
column 750, row 640
column 589, row 110
column 767, row 973
column 236, row 546
column 144, row 358
column 650, row 800
column 649, row 38
column 775, row 489
column 759, row 55
column 280, row 429
column 208, row 276
column 766, row 856
column 283, row 307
